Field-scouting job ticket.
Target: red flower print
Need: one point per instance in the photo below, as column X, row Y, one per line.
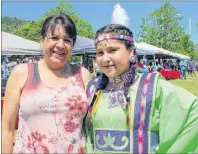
column 37, row 136
column 41, row 149
column 81, row 150
column 70, row 115
column 52, row 140
column 75, row 102
column 70, row 148
column 35, row 143
column 70, row 126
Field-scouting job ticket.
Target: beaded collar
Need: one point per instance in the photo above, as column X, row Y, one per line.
column 120, row 78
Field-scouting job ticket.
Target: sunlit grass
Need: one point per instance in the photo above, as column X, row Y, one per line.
column 191, row 84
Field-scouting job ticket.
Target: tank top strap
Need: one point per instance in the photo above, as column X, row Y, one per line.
column 77, row 71
column 33, row 78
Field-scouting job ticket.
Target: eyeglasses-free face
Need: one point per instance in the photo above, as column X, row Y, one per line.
column 57, row 39
column 57, row 47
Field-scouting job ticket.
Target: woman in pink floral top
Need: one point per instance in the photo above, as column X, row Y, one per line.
column 48, row 95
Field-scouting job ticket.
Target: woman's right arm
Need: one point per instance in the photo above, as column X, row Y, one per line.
column 13, row 91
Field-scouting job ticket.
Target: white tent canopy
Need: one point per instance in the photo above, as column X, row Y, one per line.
column 172, row 54
column 143, row 48
column 89, row 48
column 15, row 45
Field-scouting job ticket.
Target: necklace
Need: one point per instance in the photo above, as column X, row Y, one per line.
column 120, row 78
column 117, row 98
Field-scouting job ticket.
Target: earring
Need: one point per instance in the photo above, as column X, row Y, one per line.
column 132, row 59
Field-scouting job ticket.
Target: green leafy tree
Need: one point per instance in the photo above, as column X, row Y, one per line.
column 32, row 30
column 12, row 23
column 161, row 28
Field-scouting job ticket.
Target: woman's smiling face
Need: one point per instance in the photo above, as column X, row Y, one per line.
column 57, row 47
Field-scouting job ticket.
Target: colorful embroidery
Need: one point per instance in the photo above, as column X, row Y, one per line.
column 112, row 140
column 142, row 112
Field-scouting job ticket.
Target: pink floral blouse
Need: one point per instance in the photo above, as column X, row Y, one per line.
column 50, row 120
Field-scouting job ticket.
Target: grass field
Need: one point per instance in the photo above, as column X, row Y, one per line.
column 191, row 84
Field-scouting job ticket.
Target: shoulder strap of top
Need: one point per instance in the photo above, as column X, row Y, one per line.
column 77, row 72
column 33, row 75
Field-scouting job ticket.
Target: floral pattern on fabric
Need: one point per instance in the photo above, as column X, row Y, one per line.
column 50, row 120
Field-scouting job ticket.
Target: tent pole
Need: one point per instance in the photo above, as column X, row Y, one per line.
column 81, row 59
column 154, row 60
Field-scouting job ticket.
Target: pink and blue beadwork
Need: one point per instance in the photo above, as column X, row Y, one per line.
column 112, row 36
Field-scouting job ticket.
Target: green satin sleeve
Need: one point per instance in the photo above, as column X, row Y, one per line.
column 178, row 118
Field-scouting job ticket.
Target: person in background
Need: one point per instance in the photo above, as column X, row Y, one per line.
column 157, row 67
column 3, row 70
column 8, row 72
column 48, row 95
column 192, row 67
column 188, row 66
column 145, row 60
column 142, row 67
column 196, row 67
column 138, row 63
column 165, row 64
column 183, row 68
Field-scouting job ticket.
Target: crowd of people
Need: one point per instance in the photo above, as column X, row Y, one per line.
column 183, row 66
column 7, row 65
column 62, row 109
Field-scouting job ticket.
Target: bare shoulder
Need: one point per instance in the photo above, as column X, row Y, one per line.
column 19, row 74
column 84, row 70
column 20, row 69
column 86, row 76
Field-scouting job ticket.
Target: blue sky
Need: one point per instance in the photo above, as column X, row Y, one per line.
column 99, row 14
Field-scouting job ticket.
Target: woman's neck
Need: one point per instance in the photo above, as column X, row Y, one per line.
column 59, row 72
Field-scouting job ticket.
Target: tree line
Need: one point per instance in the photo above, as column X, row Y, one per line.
column 160, row 28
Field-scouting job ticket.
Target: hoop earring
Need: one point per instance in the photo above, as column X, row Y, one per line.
column 132, row 59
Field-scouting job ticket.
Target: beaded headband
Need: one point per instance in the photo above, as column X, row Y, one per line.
column 113, row 36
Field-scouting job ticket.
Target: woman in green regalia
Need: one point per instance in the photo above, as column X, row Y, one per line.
column 136, row 113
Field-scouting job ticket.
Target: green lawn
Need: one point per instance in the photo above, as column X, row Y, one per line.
column 191, row 84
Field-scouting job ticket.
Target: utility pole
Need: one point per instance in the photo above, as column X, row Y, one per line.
column 189, row 23
column 189, row 26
